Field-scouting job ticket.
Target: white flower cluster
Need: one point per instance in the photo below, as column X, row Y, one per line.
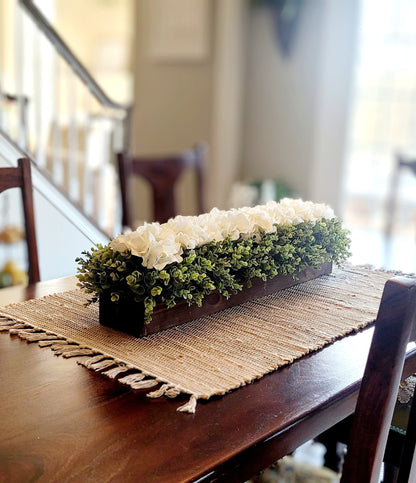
column 162, row 244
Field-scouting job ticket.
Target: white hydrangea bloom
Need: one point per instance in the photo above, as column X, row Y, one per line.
column 160, row 245
column 188, row 232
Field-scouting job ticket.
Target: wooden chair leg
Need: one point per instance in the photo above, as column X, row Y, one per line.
column 390, row 473
column 408, row 448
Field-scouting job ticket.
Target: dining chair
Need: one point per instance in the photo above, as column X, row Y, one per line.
column 394, row 328
column 402, row 162
column 367, row 431
column 21, row 177
column 162, row 173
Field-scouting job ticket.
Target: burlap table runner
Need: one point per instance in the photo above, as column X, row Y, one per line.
column 211, row 355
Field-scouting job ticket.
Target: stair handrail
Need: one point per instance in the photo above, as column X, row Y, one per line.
column 76, row 65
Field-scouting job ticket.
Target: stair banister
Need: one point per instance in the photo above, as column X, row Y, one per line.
column 78, row 68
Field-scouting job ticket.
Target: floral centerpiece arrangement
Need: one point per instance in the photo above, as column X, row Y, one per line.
column 189, row 257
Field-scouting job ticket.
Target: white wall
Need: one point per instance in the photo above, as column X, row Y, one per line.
column 60, row 236
column 297, row 107
column 172, row 101
column 228, row 99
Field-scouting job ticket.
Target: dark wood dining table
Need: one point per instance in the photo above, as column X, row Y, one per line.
column 61, row 422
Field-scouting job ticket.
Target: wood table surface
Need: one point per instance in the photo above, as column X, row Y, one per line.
column 62, row 422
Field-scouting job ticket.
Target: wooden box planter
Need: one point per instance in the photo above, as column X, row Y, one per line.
column 127, row 316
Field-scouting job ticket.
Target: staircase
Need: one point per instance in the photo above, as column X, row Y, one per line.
column 54, row 110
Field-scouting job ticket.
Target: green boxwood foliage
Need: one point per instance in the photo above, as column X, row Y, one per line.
column 226, row 266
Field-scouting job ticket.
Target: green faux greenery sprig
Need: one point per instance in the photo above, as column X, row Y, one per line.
column 226, row 266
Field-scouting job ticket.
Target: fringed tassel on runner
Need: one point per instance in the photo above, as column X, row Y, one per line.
column 98, row 362
column 61, row 347
column 11, row 326
column 146, row 384
column 16, row 329
column 190, row 406
column 36, row 336
column 135, row 381
column 51, row 343
column 92, row 360
column 132, row 378
column 165, row 390
column 75, row 352
column 159, row 392
column 172, row 392
column 115, row 371
column 104, row 364
column 66, row 349
column 23, row 333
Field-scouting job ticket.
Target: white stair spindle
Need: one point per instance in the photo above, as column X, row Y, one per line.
column 73, row 148
column 38, row 101
column 57, row 168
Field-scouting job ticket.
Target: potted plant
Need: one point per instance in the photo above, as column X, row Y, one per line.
column 164, row 274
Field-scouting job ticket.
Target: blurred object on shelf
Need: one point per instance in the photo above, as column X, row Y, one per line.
column 11, row 234
column 11, row 274
column 290, row 470
column 258, row 192
column 270, row 189
column 242, row 195
column 5, row 280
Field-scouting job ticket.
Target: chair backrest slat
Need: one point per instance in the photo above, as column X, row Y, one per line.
column 20, row 177
column 10, row 178
column 162, row 173
column 380, row 382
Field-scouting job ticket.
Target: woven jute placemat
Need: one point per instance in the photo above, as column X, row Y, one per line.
column 210, row 355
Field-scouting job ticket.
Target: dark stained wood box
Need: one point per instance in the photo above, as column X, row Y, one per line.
column 127, row 316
